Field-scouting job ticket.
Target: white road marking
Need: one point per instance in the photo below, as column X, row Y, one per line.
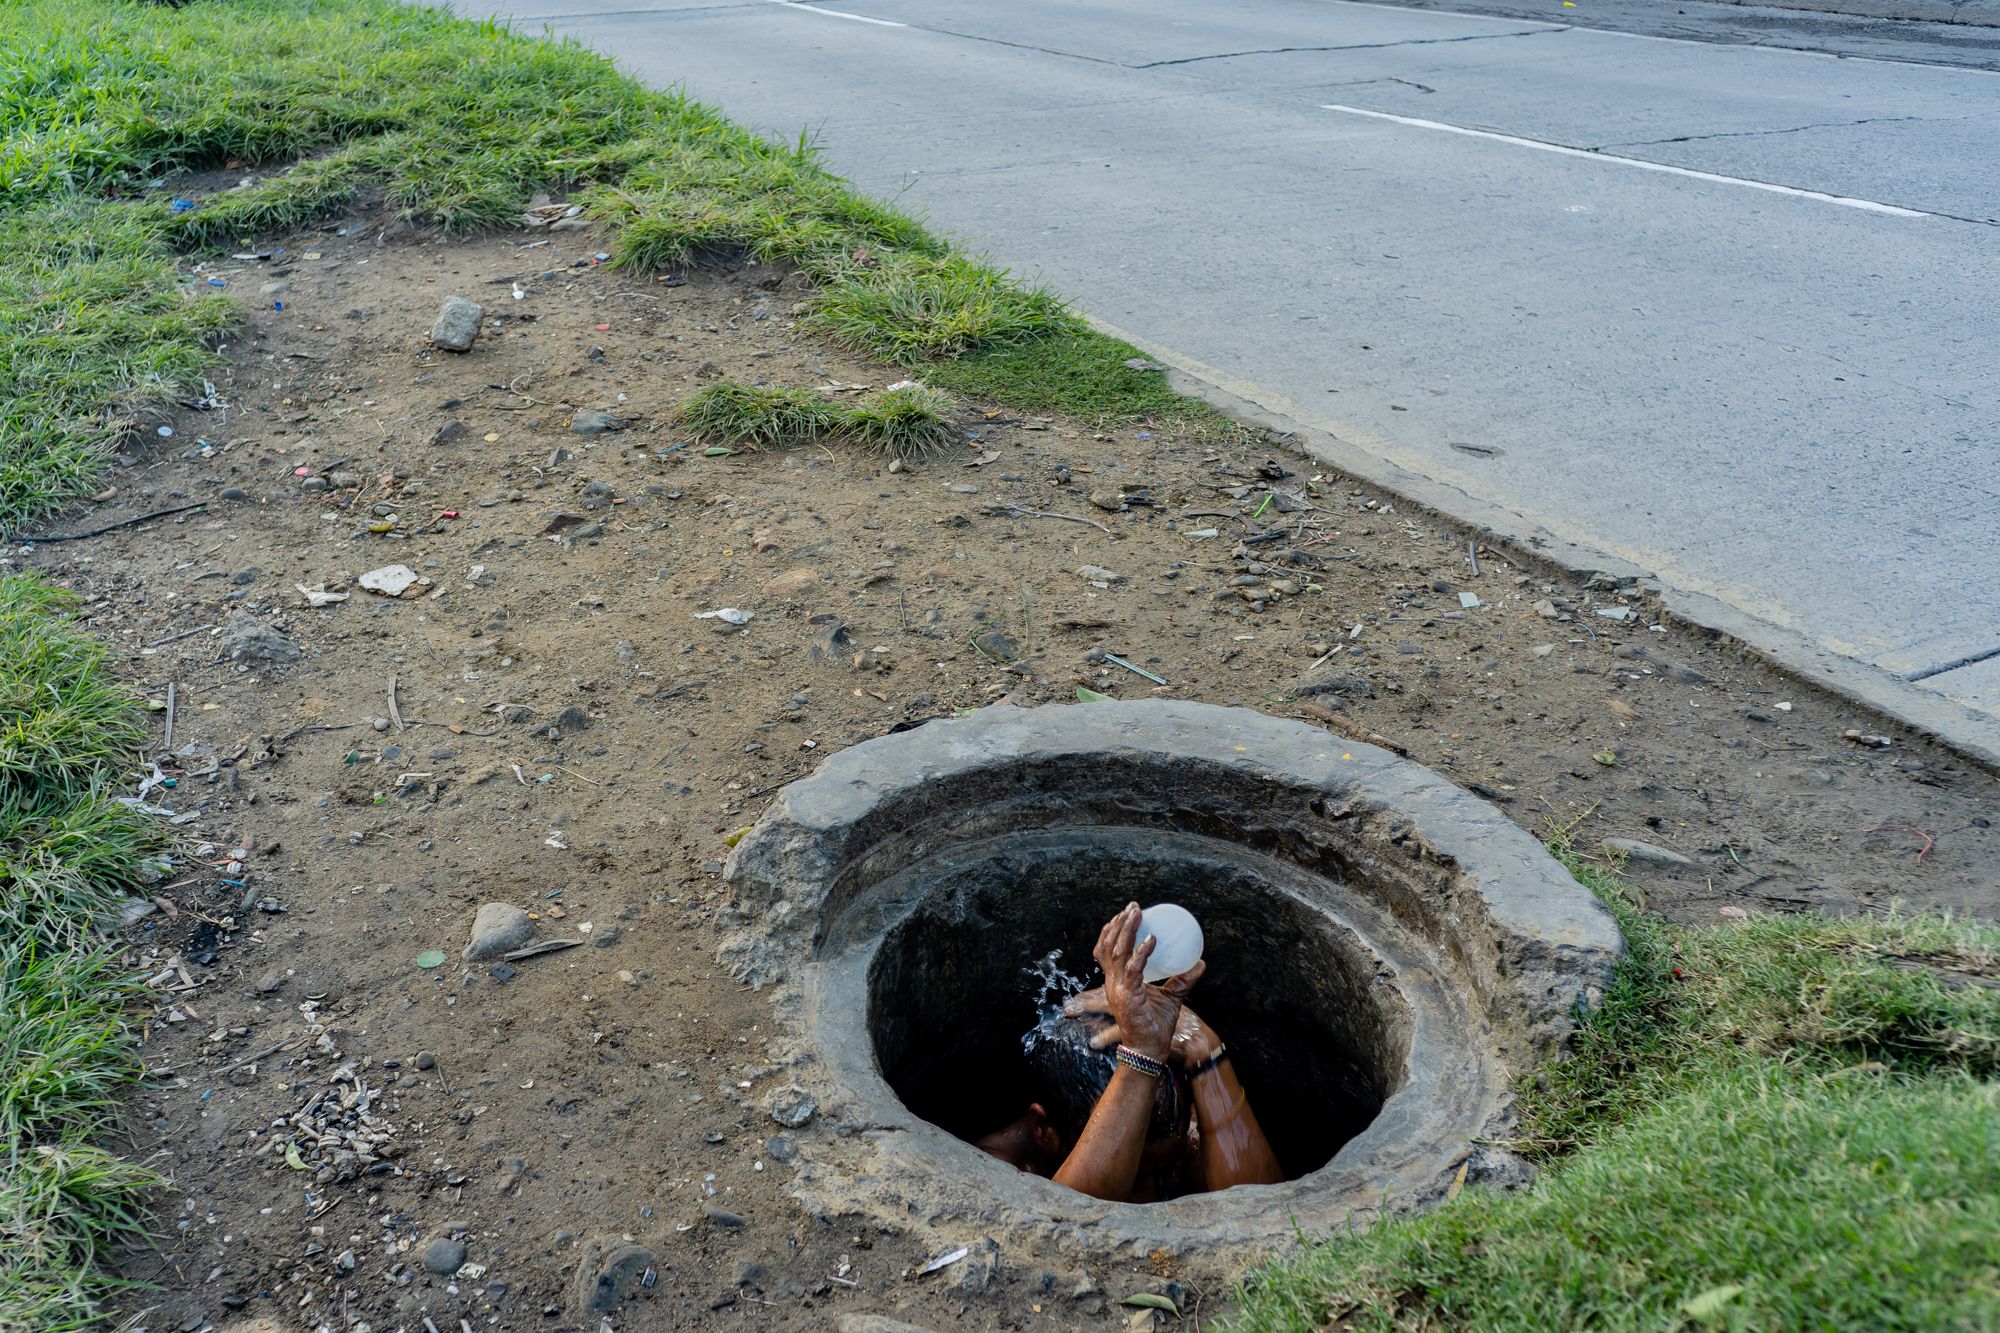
column 837, row 14
column 1540, row 145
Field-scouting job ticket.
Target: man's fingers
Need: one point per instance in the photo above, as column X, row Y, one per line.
column 1179, row 986
column 1135, row 967
column 1087, row 1002
column 1106, row 1039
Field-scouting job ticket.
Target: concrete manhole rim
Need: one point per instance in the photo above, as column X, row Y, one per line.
column 1462, row 881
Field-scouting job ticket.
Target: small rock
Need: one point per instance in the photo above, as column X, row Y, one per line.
column 425, row 1060
column 1330, row 678
column 875, row 1323
column 609, row 1272
column 979, row 1267
column 1143, row 363
column 510, row 1173
column 248, row 639
column 792, row 1106
column 782, row 1147
column 722, row 1216
column 1109, row 501
column 1082, row 1287
column 444, row 1255
column 595, row 423
column 749, row 1272
column 606, row 936
column 1646, row 853
column 235, row 493
column 833, row 644
column 997, row 646
column 315, row 484
column 498, row 928
column 449, row 431
column 791, row 584
column 457, row 326
column 1098, row 574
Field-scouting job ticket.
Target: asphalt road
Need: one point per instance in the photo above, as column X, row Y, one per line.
column 1767, row 373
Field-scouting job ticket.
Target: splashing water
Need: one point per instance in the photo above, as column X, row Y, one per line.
column 1053, row 987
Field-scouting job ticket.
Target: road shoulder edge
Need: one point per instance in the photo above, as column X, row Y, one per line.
column 1966, row 731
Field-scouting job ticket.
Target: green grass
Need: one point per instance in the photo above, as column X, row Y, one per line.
column 1790, row 1123
column 904, row 421
column 108, row 106
column 756, row 414
column 67, row 850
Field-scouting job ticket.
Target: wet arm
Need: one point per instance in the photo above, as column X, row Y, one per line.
column 1234, row 1150
column 1105, row 1161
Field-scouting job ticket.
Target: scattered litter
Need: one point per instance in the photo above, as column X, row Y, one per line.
column 1784, row 707
column 1115, row 660
column 1872, row 742
column 944, row 1261
column 1147, row 1300
column 1615, row 612
column 727, row 613
column 1203, row 532
column 390, row 580
column 320, row 596
column 1085, row 695
column 430, row 958
column 1468, row 600
column 540, row 947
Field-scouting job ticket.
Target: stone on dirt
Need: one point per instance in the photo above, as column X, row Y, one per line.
column 792, row 1106
column 876, row 1323
column 1330, row 679
column 791, row 584
column 595, row 423
column 444, row 1256
column 498, row 928
column 1647, row 853
column 457, row 326
column 609, row 1272
column 248, row 639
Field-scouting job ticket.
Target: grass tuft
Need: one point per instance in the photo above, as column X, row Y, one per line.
column 756, row 414
column 904, row 421
column 916, row 308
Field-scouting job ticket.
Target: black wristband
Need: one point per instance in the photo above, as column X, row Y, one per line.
column 1196, row 1071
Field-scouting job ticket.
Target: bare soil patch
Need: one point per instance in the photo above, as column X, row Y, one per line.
column 543, row 720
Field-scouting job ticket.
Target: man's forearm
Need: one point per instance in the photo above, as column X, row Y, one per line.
column 1234, row 1150
column 1105, row 1161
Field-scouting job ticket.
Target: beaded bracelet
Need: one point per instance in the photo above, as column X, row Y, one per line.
column 1140, row 1062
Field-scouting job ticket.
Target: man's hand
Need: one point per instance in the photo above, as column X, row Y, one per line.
column 1194, row 1040
column 1147, row 1017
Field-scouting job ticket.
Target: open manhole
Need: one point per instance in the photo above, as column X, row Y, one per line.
column 1385, row 952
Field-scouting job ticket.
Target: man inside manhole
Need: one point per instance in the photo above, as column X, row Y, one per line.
column 1146, row 1106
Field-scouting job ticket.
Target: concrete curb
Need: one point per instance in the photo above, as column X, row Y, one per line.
column 1968, row 732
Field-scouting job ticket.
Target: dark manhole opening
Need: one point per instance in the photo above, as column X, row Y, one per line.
column 1318, row 1034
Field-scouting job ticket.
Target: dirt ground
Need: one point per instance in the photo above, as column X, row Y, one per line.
column 543, row 719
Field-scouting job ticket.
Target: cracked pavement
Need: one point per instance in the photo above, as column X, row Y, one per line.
column 1749, row 350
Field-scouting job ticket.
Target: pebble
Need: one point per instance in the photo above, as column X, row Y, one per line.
column 425, row 1060
column 457, row 326
column 782, row 1148
column 498, row 928
column 722, row 1216
column 609, row 1272
column 1099, row 574
column 235, row 493
column 444, row 1256
column 248, row 639
column 792, row 1106
column 606, row 936
column 1647, row 853
column 595, row 423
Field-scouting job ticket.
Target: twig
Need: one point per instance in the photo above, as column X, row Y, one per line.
column 1929, row 841
column 176, row 638
column 112, row 527
column 1472, row 554
column 167, row 741
column 1116, row 660
column 395, row 713
column 1024, row 512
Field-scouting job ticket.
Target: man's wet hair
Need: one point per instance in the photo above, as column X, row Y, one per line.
column 1075, row 1076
